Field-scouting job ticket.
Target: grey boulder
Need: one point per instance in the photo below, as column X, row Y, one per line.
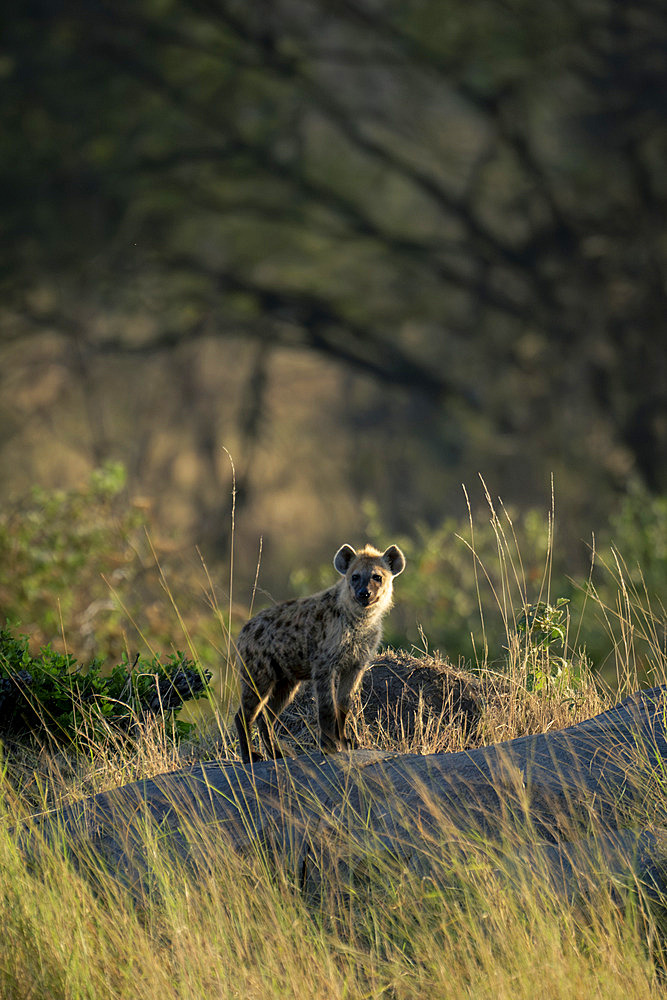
column 584, row 792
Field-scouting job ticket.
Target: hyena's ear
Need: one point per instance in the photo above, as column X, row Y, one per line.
column 343, row 558
column 394, row 559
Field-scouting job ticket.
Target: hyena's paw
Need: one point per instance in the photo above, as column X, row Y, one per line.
column 330, row 745
column 280, row 752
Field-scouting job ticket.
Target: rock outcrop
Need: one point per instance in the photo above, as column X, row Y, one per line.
column 560, row 787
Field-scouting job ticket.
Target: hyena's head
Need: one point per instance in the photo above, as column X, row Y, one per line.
column 369, row 575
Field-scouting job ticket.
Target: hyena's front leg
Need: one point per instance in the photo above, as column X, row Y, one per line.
column 349, row 682
column 325, row 684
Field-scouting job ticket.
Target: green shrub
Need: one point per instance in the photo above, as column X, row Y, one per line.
column 85, row 568
column 543, row 628
column 55, row 548
column 52, row 698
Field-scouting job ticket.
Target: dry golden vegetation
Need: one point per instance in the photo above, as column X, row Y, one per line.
column 481, row 923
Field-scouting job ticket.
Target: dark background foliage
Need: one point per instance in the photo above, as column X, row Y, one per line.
column 371, row 248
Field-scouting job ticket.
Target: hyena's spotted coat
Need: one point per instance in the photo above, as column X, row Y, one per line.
column 328, row 638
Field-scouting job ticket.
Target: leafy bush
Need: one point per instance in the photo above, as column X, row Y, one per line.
column 543, row 627
column 627, row 587
column 88, row 564
column 52, row 697
column 55, row 548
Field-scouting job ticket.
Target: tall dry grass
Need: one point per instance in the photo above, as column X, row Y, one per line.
column 484, row 921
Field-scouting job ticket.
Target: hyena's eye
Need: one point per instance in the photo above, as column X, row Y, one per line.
column 377, row 578
column 355, row 578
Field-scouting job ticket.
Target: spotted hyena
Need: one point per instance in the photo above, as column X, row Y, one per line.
column 328, row 638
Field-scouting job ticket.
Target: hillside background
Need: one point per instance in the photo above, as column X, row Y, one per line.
column 371, row 251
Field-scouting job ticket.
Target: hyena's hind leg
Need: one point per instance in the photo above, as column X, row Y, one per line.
column 243, row 720
column 282, row 694
column 255, row 692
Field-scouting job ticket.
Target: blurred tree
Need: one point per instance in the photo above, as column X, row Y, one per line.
column 465, row 201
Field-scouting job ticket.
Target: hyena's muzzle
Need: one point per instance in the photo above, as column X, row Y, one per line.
column 367, row 585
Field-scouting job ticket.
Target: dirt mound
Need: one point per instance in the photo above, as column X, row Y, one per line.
column 404, row 694
column 403, row 700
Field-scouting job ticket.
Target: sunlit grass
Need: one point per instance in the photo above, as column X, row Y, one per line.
column 482, row 923
column 465, row 916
